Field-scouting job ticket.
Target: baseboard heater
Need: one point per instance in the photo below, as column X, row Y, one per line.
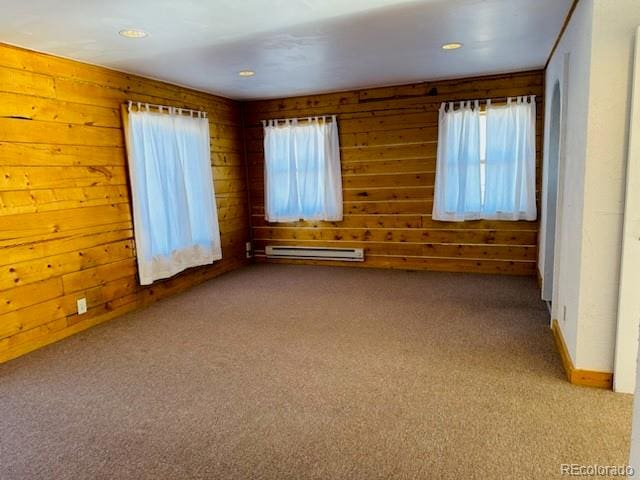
column 315, row 253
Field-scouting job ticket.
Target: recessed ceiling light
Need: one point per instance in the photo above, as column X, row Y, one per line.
column 133, row 33
column 246, row 73
column 451, row 46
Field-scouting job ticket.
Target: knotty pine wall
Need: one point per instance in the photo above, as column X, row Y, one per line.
column 65, row 213
column 388, row 140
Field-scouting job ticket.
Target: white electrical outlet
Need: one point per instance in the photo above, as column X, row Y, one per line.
column 248, row 249
column 82, row 305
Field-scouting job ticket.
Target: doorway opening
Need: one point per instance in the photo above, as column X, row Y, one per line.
column 552, row 194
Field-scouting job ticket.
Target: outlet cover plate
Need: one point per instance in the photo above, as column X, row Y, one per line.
column 82, row 305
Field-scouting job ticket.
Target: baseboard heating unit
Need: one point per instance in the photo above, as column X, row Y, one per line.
column 315, row 253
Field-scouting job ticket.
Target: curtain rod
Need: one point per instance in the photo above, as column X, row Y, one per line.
column 140, row 105
column 488, row 101
column 315, row 117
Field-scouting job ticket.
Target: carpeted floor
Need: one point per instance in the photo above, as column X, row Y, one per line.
column 297, row 372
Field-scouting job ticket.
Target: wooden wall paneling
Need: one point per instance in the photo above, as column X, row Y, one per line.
column 388, row 140
column 65, row 219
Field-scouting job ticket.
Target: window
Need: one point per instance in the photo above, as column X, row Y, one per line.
column 302, row 170
column 486, row 162
column 174, row 208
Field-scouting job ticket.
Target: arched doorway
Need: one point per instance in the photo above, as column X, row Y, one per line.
column 552, row 192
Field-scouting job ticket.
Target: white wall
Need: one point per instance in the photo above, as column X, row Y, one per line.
column 629, row 301
column 614, row 26
column 599, row 40
column 575, row 45
column 634, row 454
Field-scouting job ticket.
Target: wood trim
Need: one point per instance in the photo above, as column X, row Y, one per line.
column 564, row 27
column 584, row 378
column 247, row 178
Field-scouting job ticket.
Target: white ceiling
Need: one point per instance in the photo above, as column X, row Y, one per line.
column 295, row 46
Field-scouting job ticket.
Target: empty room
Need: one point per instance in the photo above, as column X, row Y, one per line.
column 318, row 239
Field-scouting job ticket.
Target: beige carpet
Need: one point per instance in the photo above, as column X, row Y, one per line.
column 294, row 372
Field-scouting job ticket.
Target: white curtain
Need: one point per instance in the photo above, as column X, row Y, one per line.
column 486, row 173
column 302, row 170
column 510, row 191
column 457, row 195
column 174, row 209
